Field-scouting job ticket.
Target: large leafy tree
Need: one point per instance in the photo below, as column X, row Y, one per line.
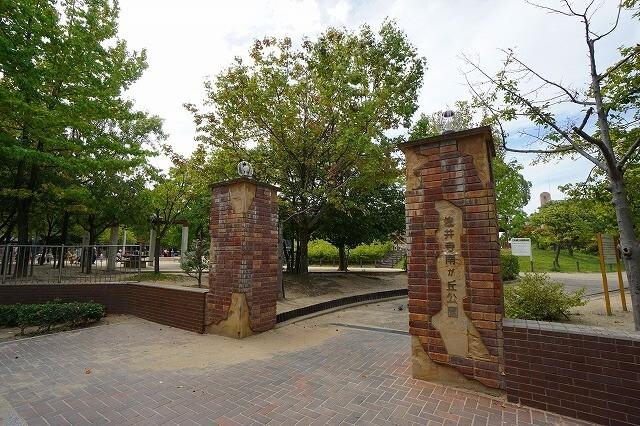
column 372, row 215
column 62, row 73
column 319, row 115
column 595, row 120
column 513, row 191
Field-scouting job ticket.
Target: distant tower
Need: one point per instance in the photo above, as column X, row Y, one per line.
column 545, row 197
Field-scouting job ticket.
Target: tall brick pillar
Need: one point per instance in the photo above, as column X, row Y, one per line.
column 244, row 258
column 453, row 265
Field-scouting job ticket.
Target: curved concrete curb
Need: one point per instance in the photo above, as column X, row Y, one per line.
column 329, row 306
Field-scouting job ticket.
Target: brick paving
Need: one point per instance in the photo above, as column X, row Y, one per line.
column 357, row 377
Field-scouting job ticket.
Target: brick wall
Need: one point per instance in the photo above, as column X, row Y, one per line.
column 455, row 167
column 583, row 372
column 178, row 307
column 174, row 306
column 244, row 251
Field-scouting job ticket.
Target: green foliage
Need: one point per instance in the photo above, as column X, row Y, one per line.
column 319, row 114
column 8, row 315
column 322, row 250
column 536, row 297
column 370, row 252
column 196, row 260
column 571, row 224
column 543, row 261
column 66, row 131
column 375, row 214
column 402, row 264
column 46, row 315
column 367, row 253
column 158, row 277
column 509, row 266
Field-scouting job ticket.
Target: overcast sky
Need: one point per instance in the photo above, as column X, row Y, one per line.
column 188, row 41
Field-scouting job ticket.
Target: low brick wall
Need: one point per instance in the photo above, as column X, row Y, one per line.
column 178, row 307
column 584, row 372
column 174, row 306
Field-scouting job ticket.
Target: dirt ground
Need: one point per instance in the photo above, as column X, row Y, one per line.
column 595, row 314
column 320, row 287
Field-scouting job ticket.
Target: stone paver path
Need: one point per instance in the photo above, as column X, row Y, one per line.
column 98, row 376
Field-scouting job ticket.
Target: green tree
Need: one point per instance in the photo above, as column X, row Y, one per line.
column 595, row 120
column 373, row 215
column 196, row 260
column 568, row 224
column 62, row 71
column 319, row 115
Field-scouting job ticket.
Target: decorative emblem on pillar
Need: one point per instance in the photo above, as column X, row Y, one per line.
column 245, row 169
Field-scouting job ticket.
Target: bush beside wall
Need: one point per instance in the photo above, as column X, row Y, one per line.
column 509, row 266
column 46, row 315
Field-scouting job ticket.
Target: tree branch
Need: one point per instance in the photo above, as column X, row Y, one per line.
column 503, row 134
column 621, row 62
column 615, row 25
column 571, row 96
column 630, row 152
column 550, row 9
column 536, row 111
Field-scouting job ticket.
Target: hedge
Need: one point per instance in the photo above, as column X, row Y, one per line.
column 321, row 250
column 510, row 267
column 46, row 315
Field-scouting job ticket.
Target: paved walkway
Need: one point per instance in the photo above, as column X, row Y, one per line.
column 126, row 373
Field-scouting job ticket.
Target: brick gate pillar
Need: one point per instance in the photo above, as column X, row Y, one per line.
column 453, row 264
column 244, row 258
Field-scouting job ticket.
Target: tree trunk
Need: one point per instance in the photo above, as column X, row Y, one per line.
column 297, row 256
column 570, row 249
column 342, row 254
column 22, row 259
column 90, row 251
column 303, row 253
column 628, row 245
column 557, row 248
column 156, row 254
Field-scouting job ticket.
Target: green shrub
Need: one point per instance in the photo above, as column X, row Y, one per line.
column 370, row 252
column 402, row 264
column 509, row 266
column 8, row 315
column 367, row 253
column 536, row 297
column 46, row 315
column 322, row 250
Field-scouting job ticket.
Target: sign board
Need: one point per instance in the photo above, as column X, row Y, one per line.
column 608, row 249
column 521, row 246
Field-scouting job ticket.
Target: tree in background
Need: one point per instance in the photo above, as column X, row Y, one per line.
column 62, row 73
column 196, row 260
column 513, row 191
column 318, row 114
column 372, row 215
column 570, row 224
column 597, row 120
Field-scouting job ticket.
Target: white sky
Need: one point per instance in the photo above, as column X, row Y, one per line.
column 189, row 40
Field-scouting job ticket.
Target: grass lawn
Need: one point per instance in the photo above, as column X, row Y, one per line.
column 162, row 276
column 543, row 261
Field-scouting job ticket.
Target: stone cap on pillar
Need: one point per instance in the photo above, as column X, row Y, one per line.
column 242, row 179
column 483, row 131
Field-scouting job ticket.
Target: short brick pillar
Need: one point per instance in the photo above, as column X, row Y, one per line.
column 243, row 273
column 453, row 264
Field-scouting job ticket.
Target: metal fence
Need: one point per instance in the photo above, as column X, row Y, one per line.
column 72, row 264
